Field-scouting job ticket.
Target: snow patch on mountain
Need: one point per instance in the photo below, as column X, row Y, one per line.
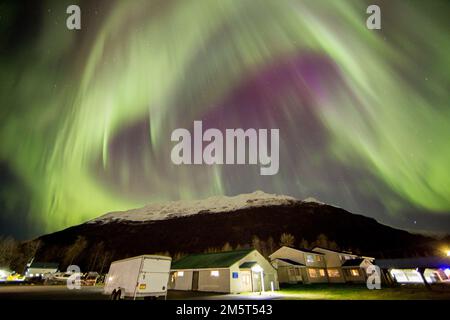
column 314, row 200
column 172, row 209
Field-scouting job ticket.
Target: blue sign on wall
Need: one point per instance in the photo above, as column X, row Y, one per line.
column 235, row 275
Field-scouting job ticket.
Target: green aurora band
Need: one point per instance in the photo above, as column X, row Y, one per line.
column 67, row 97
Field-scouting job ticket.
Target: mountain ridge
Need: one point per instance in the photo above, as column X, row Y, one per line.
column 260, row 223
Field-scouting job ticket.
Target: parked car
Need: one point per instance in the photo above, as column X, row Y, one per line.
column 57, row 278
column 90, row 279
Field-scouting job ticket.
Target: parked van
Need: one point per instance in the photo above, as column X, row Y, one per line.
column 144, row 276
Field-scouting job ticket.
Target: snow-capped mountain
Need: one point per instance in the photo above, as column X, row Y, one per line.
column 202, row 225
column 172, row 209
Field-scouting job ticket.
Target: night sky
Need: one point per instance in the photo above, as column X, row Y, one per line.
column 86, row 116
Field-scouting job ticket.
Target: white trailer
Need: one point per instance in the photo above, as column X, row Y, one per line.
column 138, row 277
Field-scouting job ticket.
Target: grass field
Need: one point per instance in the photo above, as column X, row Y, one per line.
column 360, row 292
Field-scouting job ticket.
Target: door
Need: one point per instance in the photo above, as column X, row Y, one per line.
column 246, row 281
column 195, row 280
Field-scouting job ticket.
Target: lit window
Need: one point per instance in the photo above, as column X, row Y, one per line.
column 180, row 274
column 313, row 273
column 333, row 273
column 309, row 258
column 354, row 272
column 214, row 273
column 318, row 258
column 322, row 272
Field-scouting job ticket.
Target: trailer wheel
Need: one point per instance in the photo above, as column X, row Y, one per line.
column 116, row 295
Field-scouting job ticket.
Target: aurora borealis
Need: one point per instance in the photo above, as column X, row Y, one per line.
column 86, row 116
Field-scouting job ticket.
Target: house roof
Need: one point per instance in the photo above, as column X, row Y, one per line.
column 353, row 262
column 295, row 263
column 412, row 263
column 247, row 265
column 304, row 250
column 44, row 265
column 341, row 252
column 210, row 260
column 309, row 251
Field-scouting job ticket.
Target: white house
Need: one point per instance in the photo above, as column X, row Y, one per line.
column 344, row 266
column 299, row 265
column 355, row 270
column 415, row 270
column 227, row 272
column 40, row 269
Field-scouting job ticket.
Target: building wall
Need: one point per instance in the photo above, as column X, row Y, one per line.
column 39, row 271
column 333, row 259
column 210, row 283
column 349, row 277
column 207, row 282
column 224, row 281
column 270, row 273
column 181, row 282
column 320, row 278
column 287, row 273
column 332, row 278
column 315, row 260
column 283, row 274
column 289, row 253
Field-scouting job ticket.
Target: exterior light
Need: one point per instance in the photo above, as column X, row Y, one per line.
column 257, row 268
column 180, row 274
column 447, row 272
column 448, row 253
column 214, row 273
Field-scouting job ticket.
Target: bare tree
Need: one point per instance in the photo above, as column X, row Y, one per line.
column 227, row 247
column 106, row 261
column 256, row 243
column 270, row 244
column 24, row 254
column 321, row 241
column 8, row 252
column 74, row 250
column 304, row 244
column 95, row 254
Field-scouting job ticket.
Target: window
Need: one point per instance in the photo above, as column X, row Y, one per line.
column 316, row 273
column 180, row 274
column 297, row 272
column 310, row 258
column 333, row 273
column 214, row 273
column 318, row 258
column 313, row 273
column 354, row 272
